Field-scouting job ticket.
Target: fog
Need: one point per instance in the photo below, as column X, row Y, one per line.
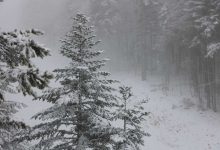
column 167, row 50
column 51, row 17
column 11, row 14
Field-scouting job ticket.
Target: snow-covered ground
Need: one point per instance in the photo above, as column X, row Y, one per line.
column 174, row 124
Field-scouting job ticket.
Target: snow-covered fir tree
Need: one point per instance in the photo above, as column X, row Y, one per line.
column 18, row 74
column 132, row 115
column 9, row 127
column 17, row 49
column 80, row 116
column 201, row 36
column 205, row 16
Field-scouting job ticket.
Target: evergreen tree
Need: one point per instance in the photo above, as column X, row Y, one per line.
column 206, row 24
column 147, row 35
column 9, row 127
column 192, row 47
column 204, row 45
column 80, row 115
column 17, row 50
column 132, row 116
column 18, row 74
column 115, row 21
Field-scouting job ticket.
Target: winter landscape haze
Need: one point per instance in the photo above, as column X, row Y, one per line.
column 109, row 75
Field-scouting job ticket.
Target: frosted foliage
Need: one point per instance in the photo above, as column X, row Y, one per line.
column 212, row 49
column 18, row 74
column 132, row 114
column 17, row 48
column 80, row 115
column 8, row 127
column 206, row 22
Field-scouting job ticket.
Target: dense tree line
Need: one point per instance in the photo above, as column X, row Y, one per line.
column 193, row 47
column 178, row 39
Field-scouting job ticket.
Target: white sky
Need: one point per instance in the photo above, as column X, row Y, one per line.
column 43, row 15
column 10, row 12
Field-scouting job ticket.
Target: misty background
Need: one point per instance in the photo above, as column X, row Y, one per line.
column 151, row 39
column 168, row 50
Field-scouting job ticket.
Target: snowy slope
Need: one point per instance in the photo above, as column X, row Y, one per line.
column 172, row 124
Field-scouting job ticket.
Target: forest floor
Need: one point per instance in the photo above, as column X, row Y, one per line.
column 175, row 123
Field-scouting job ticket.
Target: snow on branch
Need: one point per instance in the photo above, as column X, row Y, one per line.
column 212, row 49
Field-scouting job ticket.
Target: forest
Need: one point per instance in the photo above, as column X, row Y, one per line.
column 109, row 75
